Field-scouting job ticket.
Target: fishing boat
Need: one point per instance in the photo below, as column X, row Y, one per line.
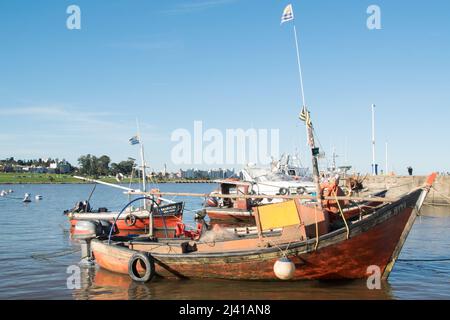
column 156, row 216
column 307, row 246
column 163, row 220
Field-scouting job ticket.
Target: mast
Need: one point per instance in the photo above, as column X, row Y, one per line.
column 144, row 175
column 387, row 166
column 288, row 15
column 374, row 168
column 306, row 117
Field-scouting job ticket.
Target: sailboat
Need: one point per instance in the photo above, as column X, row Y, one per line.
column 157, row 216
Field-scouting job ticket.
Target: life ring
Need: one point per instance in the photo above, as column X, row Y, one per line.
column 301, row 190
column 145, row 262
column 331, row 190
column 130, row 220
column 212, row 202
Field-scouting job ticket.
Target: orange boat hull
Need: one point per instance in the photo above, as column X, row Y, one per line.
column 372, row 242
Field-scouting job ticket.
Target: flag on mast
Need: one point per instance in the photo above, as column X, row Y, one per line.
column 134, row 140
column 305, row 116
column 288, row 14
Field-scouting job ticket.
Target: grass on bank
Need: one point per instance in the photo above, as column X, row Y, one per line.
column 24, row 178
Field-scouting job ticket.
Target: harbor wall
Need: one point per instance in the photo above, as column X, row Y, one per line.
column 439, row 194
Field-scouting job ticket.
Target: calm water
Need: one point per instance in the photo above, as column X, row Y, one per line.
column 35, row 251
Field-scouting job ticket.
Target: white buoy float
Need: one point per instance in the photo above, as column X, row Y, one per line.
column 284, row 268
column 2, row 193
column 38, row 197
column 26, row 198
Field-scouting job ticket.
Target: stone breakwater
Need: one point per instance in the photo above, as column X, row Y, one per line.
column 439, row 194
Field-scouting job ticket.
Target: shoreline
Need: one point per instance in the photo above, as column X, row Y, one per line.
column 38, row 178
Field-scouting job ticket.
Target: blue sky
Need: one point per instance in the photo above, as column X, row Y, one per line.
column 229, row 63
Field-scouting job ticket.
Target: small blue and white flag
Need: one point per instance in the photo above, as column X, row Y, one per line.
column 288, row 14
column 134, row 140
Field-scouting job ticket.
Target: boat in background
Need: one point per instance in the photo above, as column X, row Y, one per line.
column 275, row 181
column 241, row 210
column 165, row 218
column 155, row 216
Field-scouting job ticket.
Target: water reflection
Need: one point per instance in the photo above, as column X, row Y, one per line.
column 105, row 285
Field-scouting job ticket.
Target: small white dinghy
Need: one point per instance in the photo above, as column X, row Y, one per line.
column 38, row 197
column 26, row 198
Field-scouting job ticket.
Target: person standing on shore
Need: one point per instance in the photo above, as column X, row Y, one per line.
column 410, row 171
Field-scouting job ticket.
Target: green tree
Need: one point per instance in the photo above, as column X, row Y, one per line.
column 88, row 165
column 126, row 167
column 103, row 165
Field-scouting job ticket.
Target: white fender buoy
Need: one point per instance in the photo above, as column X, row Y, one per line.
column 284, row 268
column 38, row 197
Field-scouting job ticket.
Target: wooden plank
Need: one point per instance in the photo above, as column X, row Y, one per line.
column 287, row 197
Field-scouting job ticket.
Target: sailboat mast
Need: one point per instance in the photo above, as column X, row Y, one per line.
column 144, row 175
column 387, row 166
column 144, row 178
column 374, row 166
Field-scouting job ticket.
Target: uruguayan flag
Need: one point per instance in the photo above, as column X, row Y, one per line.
column 288, row 14
column 134, row 140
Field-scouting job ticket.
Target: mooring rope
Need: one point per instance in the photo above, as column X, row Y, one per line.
column 317, row 228
column 342, row 215
column 12, row 198
column 49, row 256
column 438, row 192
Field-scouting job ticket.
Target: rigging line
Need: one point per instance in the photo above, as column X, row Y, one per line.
column 317, row 228
column 316, row 137
column 442, row 194
column 400, row 185
column 92, row 192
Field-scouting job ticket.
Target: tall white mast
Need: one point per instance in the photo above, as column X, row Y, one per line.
column 387, row 166
column 144, row 174
column 308, row 124
column 373, row 141
column 299, row 66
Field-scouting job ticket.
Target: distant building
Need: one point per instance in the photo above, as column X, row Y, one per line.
column 64, row 167
column 39, row 169
column 206, row 174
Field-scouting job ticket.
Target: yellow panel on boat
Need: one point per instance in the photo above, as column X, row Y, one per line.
column 278, row 215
